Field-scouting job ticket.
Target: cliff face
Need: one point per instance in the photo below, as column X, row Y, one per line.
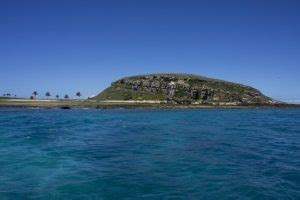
column 183, row 88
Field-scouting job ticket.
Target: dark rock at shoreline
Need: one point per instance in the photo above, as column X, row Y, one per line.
column 65, row 107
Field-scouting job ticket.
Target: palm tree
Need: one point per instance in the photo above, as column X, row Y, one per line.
column 78, row 94
column 66, row 96
column 31, row 97
column 35, row 93
column 47, row 94
column 57, row 96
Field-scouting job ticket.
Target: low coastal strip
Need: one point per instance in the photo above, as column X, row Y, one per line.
column 95, row 104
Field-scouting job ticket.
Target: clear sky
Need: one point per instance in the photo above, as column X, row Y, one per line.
column 83, row 45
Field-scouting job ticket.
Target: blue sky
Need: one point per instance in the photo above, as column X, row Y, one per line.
column 67, row 46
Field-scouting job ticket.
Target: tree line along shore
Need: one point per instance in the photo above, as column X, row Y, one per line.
column 35, row 94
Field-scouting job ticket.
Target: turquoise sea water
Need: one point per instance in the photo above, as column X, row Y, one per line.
column 135, row 154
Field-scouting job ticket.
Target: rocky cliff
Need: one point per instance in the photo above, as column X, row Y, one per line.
column 183, row 89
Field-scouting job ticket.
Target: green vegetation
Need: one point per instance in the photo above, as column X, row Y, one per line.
column 48, row 94
column 181, row 88
column 120, row 92
column 78, row 94
column 35, row 93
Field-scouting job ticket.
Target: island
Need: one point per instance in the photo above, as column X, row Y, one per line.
column 163, row 91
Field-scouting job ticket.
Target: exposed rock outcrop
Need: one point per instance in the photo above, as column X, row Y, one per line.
column 183, row 89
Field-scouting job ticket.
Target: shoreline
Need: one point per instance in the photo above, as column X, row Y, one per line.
column 93, row 104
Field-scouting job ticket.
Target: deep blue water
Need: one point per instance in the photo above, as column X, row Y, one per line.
column 135, row 154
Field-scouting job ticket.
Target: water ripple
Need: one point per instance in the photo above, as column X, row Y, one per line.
column 121, row 154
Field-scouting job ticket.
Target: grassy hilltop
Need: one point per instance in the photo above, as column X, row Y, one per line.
column 182, row 88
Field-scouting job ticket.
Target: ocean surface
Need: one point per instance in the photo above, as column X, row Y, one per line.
column 150, row 154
